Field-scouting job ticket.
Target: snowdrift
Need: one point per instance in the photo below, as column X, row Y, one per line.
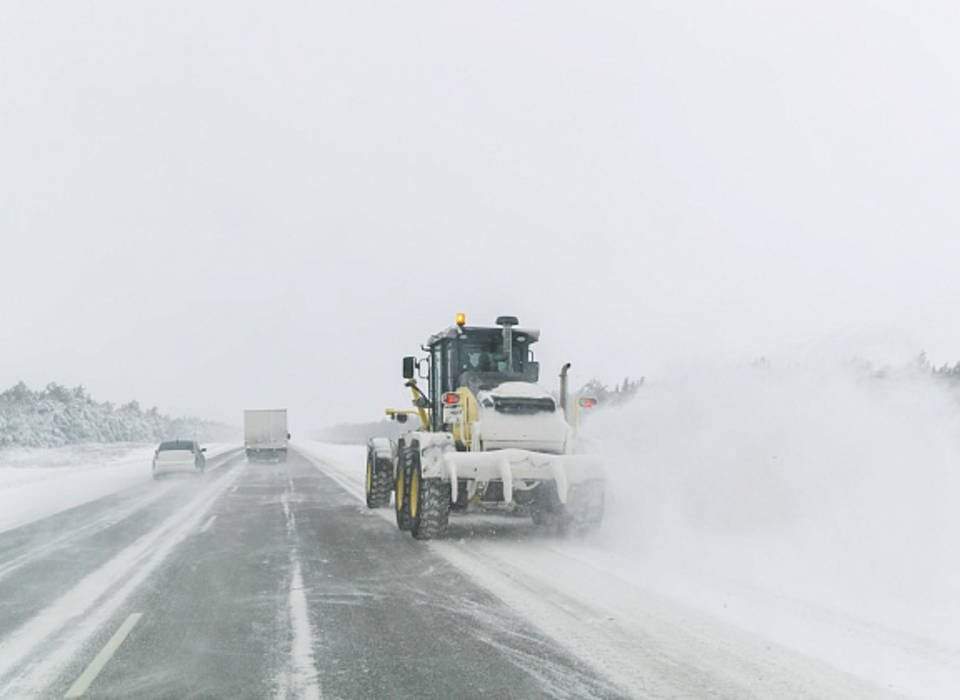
column 783, row 497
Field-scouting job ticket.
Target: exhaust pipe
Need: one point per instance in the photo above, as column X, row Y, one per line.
column 508, row 322
column 563, row 388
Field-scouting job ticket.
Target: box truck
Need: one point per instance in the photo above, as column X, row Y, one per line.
column 265, row 434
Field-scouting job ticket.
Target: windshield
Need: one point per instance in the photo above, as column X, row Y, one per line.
column 175, row 445
column 483, row 351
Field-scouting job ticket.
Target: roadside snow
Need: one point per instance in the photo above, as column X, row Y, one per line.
column 38, row 482
column 690, row 527
column 813, row 505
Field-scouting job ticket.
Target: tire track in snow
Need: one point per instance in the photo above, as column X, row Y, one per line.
column 39, row 650
column 638, row 641
column 110, row 517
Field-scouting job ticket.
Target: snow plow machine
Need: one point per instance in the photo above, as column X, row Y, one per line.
column 489, row 439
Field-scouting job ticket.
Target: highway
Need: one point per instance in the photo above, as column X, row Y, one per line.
column 256, row 580
column 273, row 580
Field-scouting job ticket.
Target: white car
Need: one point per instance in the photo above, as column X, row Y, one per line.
column 178, row 456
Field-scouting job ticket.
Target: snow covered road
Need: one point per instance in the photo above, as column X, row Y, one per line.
column 252, row 581
column 274, row 580
column 637, row 626
column 36, row 483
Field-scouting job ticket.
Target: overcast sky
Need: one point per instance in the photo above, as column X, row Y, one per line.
column 208, row 206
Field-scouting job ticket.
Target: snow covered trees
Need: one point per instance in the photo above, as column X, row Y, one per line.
column 58, row 415
column 619, row 394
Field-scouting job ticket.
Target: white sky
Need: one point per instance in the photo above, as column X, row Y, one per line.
column 214, row 205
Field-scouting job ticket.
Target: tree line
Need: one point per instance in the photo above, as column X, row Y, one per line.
column 57, row 415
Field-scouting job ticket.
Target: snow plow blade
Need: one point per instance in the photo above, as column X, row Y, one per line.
column 512, row 465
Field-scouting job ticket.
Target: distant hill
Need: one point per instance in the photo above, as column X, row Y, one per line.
column 59, row 416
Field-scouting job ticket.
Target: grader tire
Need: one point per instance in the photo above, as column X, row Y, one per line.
column 582, row 512
column 402, row 491
column 586, row 505
column 379, row 481
column 549, row 515
column 584, row 509
column 433, row 511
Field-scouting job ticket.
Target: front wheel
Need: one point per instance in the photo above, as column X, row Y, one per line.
column 433, row 507
column 379, row 480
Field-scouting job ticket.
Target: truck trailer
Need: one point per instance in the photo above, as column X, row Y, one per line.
column 265, row 434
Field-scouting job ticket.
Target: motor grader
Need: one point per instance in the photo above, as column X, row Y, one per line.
column 489, row 438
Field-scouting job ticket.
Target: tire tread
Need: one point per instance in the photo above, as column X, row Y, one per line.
column 434, row 511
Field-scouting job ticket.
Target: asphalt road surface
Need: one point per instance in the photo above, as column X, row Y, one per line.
column 257, row 581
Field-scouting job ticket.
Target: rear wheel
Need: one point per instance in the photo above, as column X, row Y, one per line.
column 585, row 505
column 583, row 510
column 550, row 520
column 379, row 480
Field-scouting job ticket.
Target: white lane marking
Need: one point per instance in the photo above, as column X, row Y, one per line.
column 206, row 525
column 80, row 686
column 304, row 681
column 233, row 490
column 87, row 607
column 288, row 515
column 306, row 684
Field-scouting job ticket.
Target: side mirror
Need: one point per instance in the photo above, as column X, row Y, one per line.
column 409, row 367
column 203, row 449
column 288, row 436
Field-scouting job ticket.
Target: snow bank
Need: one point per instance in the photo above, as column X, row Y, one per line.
column 783, row 498
column 38, row 482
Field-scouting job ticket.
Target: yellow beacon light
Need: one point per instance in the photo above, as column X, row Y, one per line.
column 461, row 319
